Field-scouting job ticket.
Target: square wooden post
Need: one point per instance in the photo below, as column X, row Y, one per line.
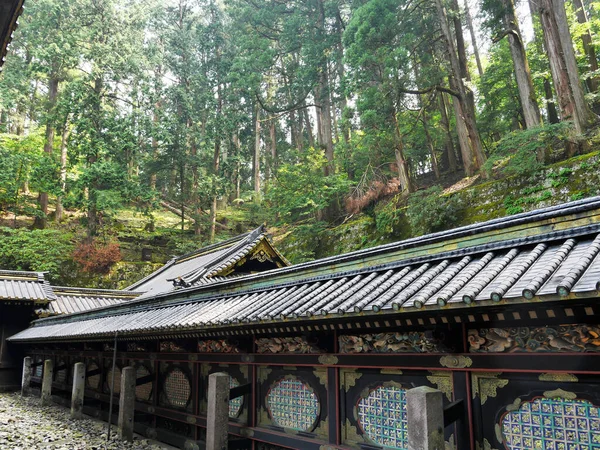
column 78, row 391
column 127, row 404
column 425, row 414
column 26, row 379
column 217, row 417
column 47, row 382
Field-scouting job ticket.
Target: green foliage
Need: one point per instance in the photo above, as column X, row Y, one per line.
column 522, row 152
column 36, row 250
column 301, row 191
column 429, row 211
column 388, row 217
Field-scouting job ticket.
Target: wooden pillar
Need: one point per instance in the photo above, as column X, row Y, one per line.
column 425, row 414
column 47, row 382
column 126, row 404
column 217, row 418
column 78, row 391
column 26, row 379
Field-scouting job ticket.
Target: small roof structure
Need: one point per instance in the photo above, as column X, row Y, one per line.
column 70, row 300
column 526, row 262
column 243, row 254
column 25, row 287
column 10, row 10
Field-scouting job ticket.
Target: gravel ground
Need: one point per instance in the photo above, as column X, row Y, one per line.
column 26, row 425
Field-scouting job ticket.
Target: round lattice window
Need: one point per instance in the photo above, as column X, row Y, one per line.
column 143, row 392
column 117, row 378
column 382, row 416
column 235, row 405
column 552, row 423
column 177, row 388
column 94, row 380
column 293, row 404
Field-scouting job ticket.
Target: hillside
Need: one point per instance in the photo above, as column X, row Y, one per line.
column 391, row 218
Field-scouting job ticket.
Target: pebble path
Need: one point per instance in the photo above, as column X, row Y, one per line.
column 26, row 425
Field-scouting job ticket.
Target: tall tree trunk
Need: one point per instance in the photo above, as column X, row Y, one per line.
column 473, row 39
column 63, row 172
column 238, row 177
column 40, row 222
column 570, row 107
column 531, row 111
column 256, row 158
column 585, row 115
column 448, row 141
column 460, row 41
column 308, row 125
column 473, row 157
column 592, row 82
column 324, row 94
column 434, row 160
column 406, row 183
column 92, row 194
column 540, row 46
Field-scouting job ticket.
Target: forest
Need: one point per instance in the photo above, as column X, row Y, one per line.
column 293, row 111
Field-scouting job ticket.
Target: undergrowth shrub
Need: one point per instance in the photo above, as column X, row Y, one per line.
column 429, row 211
column 97, row 257
column 525, row 151
column 35, row 250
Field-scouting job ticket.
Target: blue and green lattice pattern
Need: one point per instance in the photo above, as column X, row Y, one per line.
column 382, row 416
column 553, row 424
column 235, row 405
column 293, row 404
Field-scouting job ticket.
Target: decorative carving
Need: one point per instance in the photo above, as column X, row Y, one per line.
column 191, row 419
column 263, row 373
column 136, row 347
column 261, row 256
column 247, row 432
column 351, row 434
column 484, row 446
column 321, row 374
column 298, row 344
column 456, row 362
column 559, row 393
column 349, row 378
column 328, row 360
column 412, row 342
column 170, row 346
column 559, row 377
column 562, row 338
column 217, row 346
column 443, row 381
column 486, row 384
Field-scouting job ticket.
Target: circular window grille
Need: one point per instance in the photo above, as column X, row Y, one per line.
column 143, row 392
column 552, row 423
column 235, row 405
column 94, row 380
column 293, row 404
column 382, row 416
column 109, row 380
column 177, row 388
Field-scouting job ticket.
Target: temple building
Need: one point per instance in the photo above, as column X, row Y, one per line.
column 502, row 317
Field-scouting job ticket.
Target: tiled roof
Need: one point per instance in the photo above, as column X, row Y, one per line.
column 71, row 300
column 551, row 256
column 202, row 266
column 10, row 10
column 24, row 286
